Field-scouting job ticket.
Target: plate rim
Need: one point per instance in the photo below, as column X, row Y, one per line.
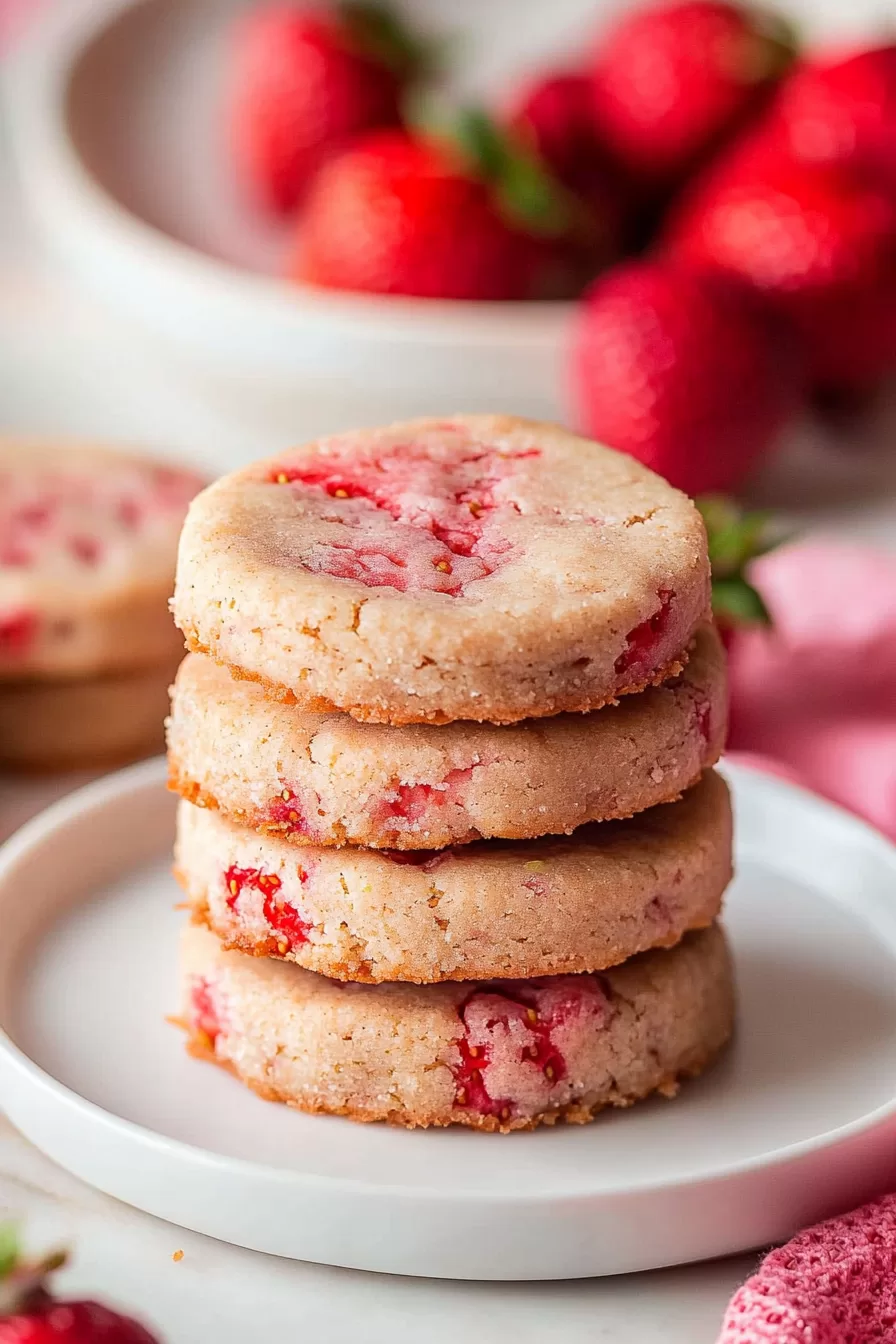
column 151, row 774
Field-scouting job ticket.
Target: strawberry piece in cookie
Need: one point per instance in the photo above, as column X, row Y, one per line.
column 16, row 633
column 277, row 910
column 203, row 1017
column 641, row 642
column 516, row 1038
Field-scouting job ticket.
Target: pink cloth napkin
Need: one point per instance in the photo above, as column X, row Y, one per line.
column 814, row 698
column 830, row 1285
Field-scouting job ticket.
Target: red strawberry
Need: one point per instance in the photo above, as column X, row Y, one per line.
column 554, row 110
column 844, row 112
column 404, row 215
column 820, row 245
column 670, row 81
column 682, row 370
column 303, row 83
column 553, row 113
column 30, row 1315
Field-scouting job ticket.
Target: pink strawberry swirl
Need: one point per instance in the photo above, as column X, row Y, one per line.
column 417, row 524
column 411, row 522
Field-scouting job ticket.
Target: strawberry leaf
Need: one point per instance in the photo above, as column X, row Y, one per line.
column 773, row 46
column 736, row 602
column 735, row 538
column 529, row 195
column 378, row 31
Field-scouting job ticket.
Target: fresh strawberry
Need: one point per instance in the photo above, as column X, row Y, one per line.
column 553, row 114
column 670, row 81
column 472, row 218
column 817, row 243
column 554, row 110
column 683, row 370
column 844, row 113
column 30, row 1315
column 303, row 82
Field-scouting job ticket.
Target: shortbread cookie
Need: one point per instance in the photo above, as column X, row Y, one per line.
column 74, row 725
column 479, row 567
column 495, row 908
column 88, row 541
column 502, row 1056
column 329, row 780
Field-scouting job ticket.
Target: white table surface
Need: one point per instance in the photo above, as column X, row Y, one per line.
column 67, row 367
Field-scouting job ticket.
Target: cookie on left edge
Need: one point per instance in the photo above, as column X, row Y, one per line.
column 88, row 723
column 502, row 1056
column 88, row 540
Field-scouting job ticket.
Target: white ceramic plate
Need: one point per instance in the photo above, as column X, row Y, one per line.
column 798, row 1121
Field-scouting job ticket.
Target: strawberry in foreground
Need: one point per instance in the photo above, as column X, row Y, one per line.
column 843, row 113
column 303, row 82
column 29, row 1314
column 683, row 370
column 818, row 244
column 670, row 81
column 469, row 217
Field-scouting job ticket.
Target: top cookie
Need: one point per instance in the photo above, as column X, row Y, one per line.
column 88, row 539
column 479, row 567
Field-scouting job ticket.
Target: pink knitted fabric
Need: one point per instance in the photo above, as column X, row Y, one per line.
column 833, row 1284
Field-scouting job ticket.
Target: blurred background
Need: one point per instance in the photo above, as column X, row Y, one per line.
column 227, row 227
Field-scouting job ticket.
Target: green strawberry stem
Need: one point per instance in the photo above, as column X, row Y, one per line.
column 9, row 1248
column 735, row 538
column 379, row 31
column 529, row 195
column 22, row 1283
column 779, row 40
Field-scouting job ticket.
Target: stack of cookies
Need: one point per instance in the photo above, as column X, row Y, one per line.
column 88, row 538
column 449, row 832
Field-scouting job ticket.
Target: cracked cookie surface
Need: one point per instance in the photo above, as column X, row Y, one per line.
column 492, row 908
column 495, row 1056
column 326, row 779
column 478, row 567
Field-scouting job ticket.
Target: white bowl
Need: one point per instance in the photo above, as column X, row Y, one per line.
column 114, row 108
column 115, row 116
